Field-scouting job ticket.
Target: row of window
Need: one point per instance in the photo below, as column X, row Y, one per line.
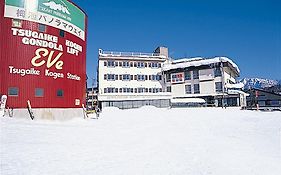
column 128, row 77
column 196, row 88
column 128, row 64
column 132, row 90
column 41, row 27
column 39, row 92
column 177, row 77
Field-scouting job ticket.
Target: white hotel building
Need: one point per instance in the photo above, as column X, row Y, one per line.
column 130, row 80
column 199, row 80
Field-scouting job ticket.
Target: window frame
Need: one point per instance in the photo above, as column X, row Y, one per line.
column 13, row 94
column 42, row 91
column 60, row 93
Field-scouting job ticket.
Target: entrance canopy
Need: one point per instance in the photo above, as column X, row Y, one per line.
column 188, row 100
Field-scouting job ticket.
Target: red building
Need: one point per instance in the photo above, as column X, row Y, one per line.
column 43, row 53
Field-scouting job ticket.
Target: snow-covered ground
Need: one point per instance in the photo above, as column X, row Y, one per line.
column 145, row 141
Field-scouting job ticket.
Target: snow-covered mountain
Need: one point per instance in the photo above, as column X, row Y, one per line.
column 259, row 83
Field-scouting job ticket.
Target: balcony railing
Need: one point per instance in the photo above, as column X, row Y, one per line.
column 129, row 54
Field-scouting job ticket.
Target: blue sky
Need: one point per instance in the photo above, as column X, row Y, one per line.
column 249, row 32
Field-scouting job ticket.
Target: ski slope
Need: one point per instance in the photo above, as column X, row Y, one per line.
column 145, row 141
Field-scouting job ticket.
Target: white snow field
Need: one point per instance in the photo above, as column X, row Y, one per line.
column 145, row 141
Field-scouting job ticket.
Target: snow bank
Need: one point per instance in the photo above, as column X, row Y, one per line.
column 198, row 61
column 146, row 141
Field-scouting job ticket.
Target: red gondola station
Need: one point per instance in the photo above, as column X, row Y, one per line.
column 43, row 56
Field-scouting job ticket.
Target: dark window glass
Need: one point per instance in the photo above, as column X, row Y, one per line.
column 42, row 28
column 60, row 93
column 196, row 74
column 196, row 89
column 39, row 92
column 218, row 86
column 187, row 75
column 61, row 33
column 188, row 89
column 217, row 72
column 110, row 63
column 13, row 91
column 168, row 77
column 169, row 89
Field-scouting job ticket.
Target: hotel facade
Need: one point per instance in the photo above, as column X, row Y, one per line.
column 198, row 80
column 131, row 80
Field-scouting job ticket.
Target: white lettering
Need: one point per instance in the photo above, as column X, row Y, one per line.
column 23, row 72
column 55, row 75
column 73, row 77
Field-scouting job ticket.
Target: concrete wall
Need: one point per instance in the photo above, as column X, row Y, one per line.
column 48, row 114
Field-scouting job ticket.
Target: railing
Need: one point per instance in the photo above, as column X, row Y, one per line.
column 130, row 54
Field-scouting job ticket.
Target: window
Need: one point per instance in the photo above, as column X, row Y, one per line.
column 59, row 93
column 140, row 64
column 187, row 75
column 126, row 64
column 110, row 90
column 42, row 28
column 168, row 77
column 17, row 23
column 39, row 92
column 154, row 65
column 126, row 77
column 141, row 90
column 111, row 77
column 61, row 33
column 110, row 63
column 218, row 86
column 217, row 72
column 159, row 77
column 196, row 89
column 169, row 89
column 146, row 90
column 105, row 63
column 126, row 90
column 141, row 77
column 196, row 74
column 13, row 91
column 188, row 89
column 178, row 77
column 153, row 77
